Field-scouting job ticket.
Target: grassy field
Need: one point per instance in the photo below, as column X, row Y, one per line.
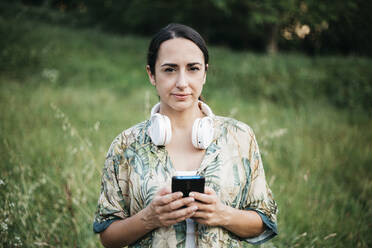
column 66, row 93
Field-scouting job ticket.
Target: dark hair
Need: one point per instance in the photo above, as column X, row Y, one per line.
column 171, row 31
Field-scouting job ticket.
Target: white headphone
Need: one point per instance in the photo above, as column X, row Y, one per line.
column 160, row 129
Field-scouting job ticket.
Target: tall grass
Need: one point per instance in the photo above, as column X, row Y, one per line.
column 59, row 115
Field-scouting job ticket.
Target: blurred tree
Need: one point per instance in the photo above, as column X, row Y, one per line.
column 308, row 25
column 275, row 20
column 348, row 29
column 271, row 16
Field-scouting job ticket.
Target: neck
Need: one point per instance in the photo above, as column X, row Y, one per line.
column 182, row 119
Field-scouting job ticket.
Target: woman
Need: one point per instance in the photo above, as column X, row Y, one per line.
column 136, row 206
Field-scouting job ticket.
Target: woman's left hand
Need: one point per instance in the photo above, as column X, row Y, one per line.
column 211, row 211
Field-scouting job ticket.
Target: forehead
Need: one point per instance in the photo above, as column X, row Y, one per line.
column 179, row 50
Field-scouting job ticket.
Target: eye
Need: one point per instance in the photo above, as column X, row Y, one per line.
column 169, row 69
column 194, row 68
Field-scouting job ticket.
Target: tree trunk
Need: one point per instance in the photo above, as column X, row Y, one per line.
column 272, row 41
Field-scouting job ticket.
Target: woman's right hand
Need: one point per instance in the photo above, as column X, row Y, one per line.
column 165, row 209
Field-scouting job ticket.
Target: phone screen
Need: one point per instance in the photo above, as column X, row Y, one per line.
column 187, row 184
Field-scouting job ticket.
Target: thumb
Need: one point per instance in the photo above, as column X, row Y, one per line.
column 164, row 191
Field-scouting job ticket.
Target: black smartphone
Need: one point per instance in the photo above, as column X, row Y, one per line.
column 187, row 184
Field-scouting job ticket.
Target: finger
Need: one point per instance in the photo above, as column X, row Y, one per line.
column 204, row 198
column 178, row 204
column 182, row 218
column 209, row 191
column 164, row 191
column 181, row 214
column 201, row 215
column 202, row 206
column 166, row 199
column 204, row 218
column 199, row 220
column 185, row 217
column 191, row 215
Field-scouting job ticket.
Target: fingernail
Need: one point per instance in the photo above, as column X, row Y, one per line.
column 194, row 208
column 180, row 194
column 192, row 194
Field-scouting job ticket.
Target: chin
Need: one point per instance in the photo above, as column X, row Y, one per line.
column 181, row 105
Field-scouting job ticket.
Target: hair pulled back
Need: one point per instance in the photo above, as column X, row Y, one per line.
column 171, row 31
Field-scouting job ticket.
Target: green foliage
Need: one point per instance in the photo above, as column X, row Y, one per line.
column 292, row 80
column 311, row 117
column 315, row 27
column 17, row 52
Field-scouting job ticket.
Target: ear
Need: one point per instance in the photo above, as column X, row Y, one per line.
column 205, row 73
column 151, row 76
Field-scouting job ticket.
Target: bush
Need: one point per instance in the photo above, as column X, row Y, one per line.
column 293, row 79
column 348, row 84
column 18, row 53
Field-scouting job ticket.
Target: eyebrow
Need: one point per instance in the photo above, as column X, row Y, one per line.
column 169, row 64
column 194, row 63
column 175, row 65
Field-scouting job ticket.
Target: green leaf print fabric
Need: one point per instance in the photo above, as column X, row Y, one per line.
column 135, row 169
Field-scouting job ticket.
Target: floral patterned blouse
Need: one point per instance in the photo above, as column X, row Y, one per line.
column 135, row 169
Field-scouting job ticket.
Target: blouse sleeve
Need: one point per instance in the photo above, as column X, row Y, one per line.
column 113, row 203
column 260, row 198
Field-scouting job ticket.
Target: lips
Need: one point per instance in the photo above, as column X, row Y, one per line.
column 181, row 96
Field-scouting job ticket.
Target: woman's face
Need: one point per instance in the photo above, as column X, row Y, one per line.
column 179, row 74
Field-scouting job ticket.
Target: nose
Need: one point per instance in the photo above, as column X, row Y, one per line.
column 181, row 80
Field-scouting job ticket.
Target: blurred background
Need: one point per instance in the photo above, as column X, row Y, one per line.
column 72, row 77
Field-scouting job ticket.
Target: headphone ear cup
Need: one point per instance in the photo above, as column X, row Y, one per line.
column 160, row 129
column 168, row 130
column 202, row 132
column 194, row 135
